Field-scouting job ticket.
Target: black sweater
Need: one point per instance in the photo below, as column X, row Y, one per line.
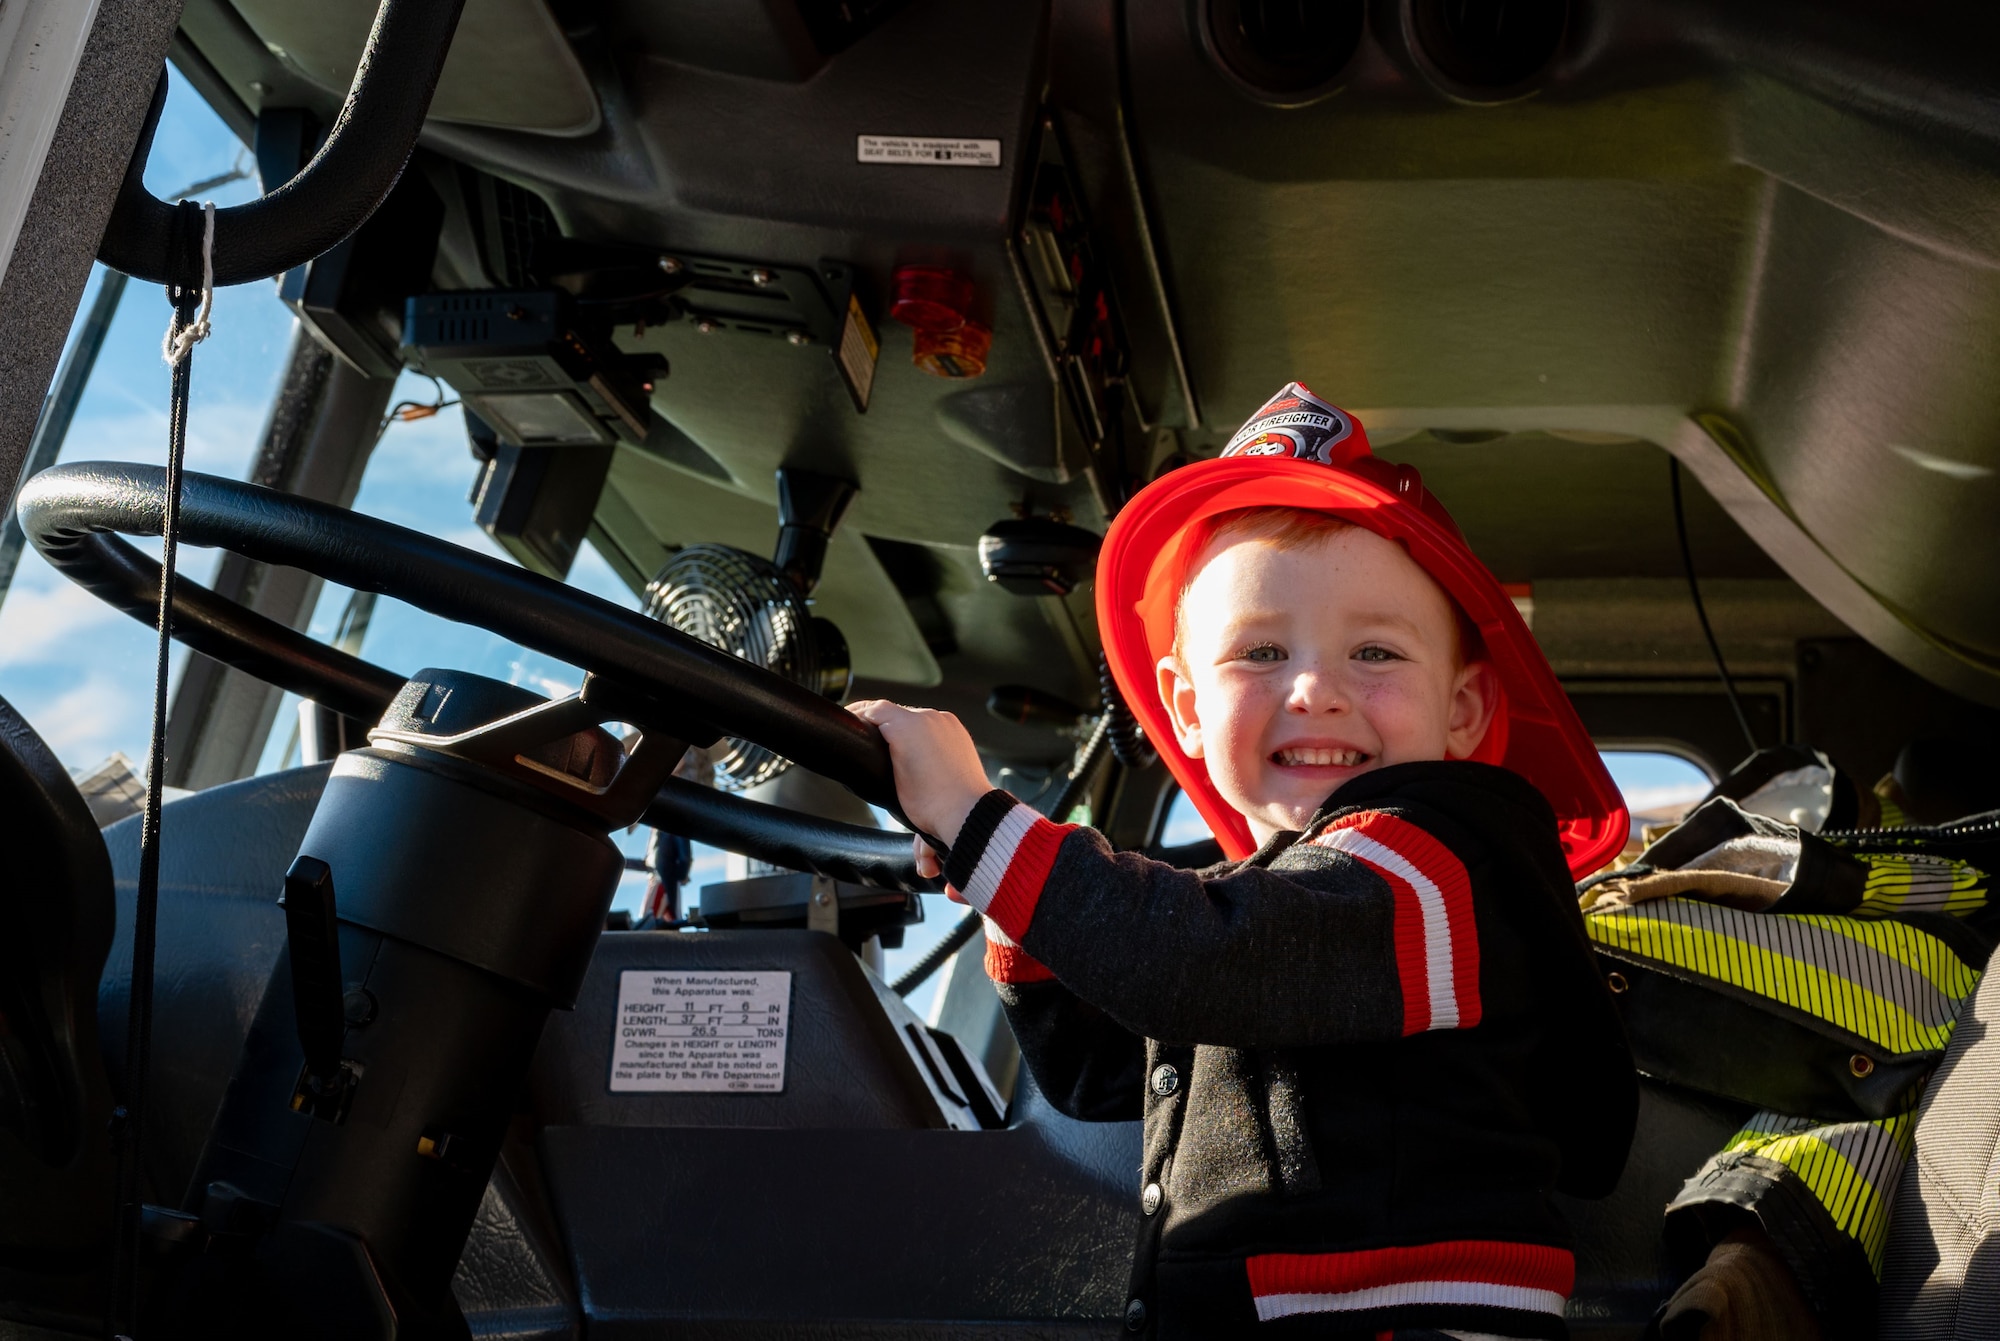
column 1366, row 1055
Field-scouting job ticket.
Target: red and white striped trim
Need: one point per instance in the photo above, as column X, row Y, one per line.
column 1437, row 941
column 1526, row 1277
column 1009, row 963
column 1013, row 867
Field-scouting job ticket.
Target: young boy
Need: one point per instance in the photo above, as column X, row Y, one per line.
column 1373, row 1045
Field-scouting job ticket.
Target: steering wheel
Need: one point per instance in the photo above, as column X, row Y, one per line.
column 74, row 515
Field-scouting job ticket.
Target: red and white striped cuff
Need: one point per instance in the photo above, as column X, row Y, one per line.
column 1526, row 1277
column 1437, row 941
column 1009, row 963
column 1002, row 859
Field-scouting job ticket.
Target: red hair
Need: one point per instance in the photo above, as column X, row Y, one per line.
column 1292, row 529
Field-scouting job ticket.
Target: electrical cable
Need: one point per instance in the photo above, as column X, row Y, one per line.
column 409, row 411
column 934, row 958
column 1087, row 762
column 1701, row 610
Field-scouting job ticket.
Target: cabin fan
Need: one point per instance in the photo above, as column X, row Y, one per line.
column 756, row 608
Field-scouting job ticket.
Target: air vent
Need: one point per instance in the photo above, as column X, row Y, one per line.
column 1285, row 51
column 1487, row 50
column 465, row 330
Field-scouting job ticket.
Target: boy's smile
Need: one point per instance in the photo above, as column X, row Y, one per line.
column 1301, row 666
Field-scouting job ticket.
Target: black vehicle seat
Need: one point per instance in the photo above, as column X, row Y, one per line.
column 223, row 856
column 1622, row 1271
column 1937, row 781
column 55, row 925
column 1941, row 1273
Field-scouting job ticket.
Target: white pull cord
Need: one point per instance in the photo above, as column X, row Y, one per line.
column 180, row 339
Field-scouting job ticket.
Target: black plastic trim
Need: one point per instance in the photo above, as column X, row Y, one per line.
column 333, row 195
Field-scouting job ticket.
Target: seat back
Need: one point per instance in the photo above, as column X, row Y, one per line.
column 1941, row 1273
column 55, row 925
column 223, row 855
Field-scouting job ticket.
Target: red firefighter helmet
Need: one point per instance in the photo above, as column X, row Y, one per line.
column 1301, row 452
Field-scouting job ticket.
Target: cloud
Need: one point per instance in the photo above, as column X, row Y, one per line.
column 49, row 621
column 79, row 671
column 222, row 437
column 85, row 722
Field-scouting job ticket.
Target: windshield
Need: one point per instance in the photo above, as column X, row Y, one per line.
column 67, row 658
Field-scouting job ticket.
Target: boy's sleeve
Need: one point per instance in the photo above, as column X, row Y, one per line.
column 1084, row 1062
column 1365, row 933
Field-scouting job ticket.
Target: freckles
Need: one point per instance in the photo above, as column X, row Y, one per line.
column 1379, row 697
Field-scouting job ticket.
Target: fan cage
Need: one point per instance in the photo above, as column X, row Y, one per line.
column 744, row 605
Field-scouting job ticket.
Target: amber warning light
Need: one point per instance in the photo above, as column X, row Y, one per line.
column 935, row 303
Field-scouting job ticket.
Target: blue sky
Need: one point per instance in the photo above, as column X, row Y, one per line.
column 68, row 662
column 79, row 671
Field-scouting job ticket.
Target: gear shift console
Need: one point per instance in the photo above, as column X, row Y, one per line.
column 313, row 949
column 469, row 847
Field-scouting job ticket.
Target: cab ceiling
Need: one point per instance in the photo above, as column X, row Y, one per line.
column 510, row 64
column 1761, row 239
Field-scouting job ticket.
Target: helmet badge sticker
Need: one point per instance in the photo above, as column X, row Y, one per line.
column 1293, row 423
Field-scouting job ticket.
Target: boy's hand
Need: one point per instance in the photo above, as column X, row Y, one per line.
column 938, row 774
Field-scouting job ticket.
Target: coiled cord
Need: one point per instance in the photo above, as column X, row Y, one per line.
column 1129, row 745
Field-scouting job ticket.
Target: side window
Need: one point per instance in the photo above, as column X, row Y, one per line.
column 1659, row 789
column 1183, row 823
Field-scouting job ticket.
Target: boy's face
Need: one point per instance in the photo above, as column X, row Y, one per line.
column 1302, row 667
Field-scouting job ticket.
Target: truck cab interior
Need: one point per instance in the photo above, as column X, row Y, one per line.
column 839, row 332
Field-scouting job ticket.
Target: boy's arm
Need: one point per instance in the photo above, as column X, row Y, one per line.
column 1366, row 935
column 1084, row 1062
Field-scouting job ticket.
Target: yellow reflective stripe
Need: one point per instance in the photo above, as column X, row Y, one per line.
column 1903, row 882
column 1850, row 1168
column 1917, row 950
column 1808, row 935
column 1888, row 983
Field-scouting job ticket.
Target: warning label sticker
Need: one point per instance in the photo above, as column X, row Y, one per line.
column 857, row 354
column 928, row 151
column 700, row 1032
